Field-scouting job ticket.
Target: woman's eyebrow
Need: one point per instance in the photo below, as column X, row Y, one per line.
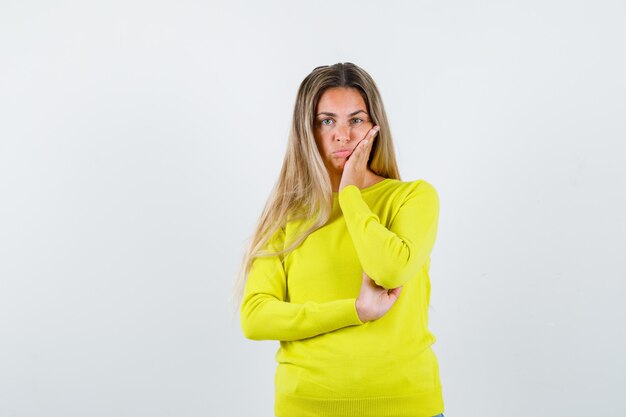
column 334, row 115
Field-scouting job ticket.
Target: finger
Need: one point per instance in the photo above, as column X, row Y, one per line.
column 374, row 132
column 369, row 282
column 395, row 292
column 369, row 137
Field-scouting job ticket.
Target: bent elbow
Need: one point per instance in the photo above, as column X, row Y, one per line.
column 249, row 327
column 392, row 282
column 246, row 321
column 397, row 275
column 250, row 332
column 253, row 320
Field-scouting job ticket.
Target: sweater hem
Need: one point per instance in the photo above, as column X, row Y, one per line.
column 426, row 404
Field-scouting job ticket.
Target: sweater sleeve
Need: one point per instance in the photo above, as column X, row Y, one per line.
column 266, row 315
column 391, row 256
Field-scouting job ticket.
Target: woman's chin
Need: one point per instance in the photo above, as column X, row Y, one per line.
column 339, row 163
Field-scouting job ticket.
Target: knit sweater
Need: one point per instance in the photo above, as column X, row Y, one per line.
column 330, row 363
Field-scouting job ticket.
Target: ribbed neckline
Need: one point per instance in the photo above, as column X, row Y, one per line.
column 370, row 188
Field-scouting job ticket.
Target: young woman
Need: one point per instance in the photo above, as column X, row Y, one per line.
column 338, row 267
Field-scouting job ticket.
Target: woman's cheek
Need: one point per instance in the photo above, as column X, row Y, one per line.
column 360, row 131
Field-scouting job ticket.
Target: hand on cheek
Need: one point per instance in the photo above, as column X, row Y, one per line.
column 355, row 168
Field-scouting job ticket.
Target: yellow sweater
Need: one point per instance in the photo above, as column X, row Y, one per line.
column 329, row 362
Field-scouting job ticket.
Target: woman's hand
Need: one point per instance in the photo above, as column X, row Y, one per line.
column 374, row 301
column 355, row 168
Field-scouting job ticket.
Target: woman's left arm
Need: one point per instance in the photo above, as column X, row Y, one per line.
column 391, row 256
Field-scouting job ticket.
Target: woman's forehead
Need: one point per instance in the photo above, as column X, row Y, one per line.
column 340, row 100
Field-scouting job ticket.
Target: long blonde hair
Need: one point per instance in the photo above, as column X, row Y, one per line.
column 303, row 191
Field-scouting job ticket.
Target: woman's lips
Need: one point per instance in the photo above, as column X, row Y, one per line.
column 342, row 154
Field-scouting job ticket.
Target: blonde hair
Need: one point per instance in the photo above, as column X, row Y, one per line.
column 303, row 190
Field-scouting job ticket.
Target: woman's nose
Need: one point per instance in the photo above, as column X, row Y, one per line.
column 342, row 132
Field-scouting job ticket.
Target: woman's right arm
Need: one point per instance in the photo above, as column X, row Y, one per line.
column 265, row 315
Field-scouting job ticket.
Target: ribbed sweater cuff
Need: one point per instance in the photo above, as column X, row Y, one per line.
column 340, row 313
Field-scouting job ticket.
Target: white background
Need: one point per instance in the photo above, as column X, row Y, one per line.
column 140, row 139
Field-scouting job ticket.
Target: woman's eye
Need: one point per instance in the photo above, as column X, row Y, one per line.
column 357, row 120
column 327, row 122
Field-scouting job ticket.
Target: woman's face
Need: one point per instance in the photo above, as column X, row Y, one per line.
column 341, row 121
